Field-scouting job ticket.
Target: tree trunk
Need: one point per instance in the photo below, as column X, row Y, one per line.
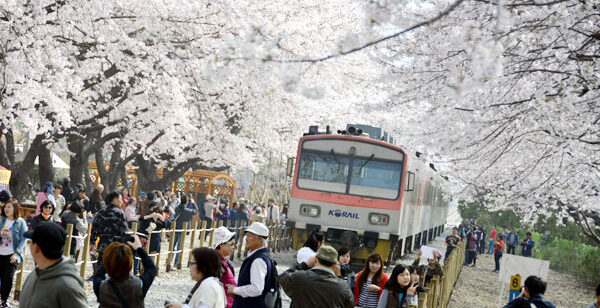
column 45, row 165
column 7, row 150
column 77, row 161
column 19, row 180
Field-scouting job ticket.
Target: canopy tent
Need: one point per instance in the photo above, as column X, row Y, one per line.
column 56, row 162
column 4, row 178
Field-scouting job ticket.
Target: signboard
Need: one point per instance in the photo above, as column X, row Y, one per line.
column 4, row 178
column 515, row 287
column 512, row 265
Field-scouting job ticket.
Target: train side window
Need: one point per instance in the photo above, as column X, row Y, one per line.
column 410, row 181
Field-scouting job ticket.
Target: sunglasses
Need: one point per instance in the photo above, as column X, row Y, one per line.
column 48, row 206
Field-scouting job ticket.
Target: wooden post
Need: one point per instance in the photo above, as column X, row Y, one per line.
column 162, row 235
column 203, row 233
column 423, row 300
column 435, row 287
column 67, row 249
column 192, row 239
column 148, row 243
column 212, row 231
column 240, row 240
column 183, row 237
column 171, row 244
column 86, row 251
column 19, row 282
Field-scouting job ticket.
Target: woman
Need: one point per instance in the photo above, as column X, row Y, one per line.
column 284, row 213
column 256, row 215
column 312, row 244
column 125, row 195
column 346, row 271
column 96, row 203
column 398, row 289
column 47, row 193
column 152, row 221
column 13, row 230
column 130, row 214
column 370, row 282
column 414, row 282
column 75, row 215
column 498, row 249
column 471, row 248
column 206, row 271
column 224, row 244
column 47, row 208
column 123, row 289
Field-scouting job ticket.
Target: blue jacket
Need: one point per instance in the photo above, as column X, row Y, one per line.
column 535, row 301
column 515, row 241
column 18, row 236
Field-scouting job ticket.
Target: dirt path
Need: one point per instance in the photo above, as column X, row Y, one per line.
column 479, row 287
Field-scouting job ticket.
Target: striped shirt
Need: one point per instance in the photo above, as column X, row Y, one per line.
column 368, row 299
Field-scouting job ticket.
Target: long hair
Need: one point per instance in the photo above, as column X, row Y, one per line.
column 95, row 197
column 392, row 284
column 314, row 238
column 15, row 205
column 365, row 272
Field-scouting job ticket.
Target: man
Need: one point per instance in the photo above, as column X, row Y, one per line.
column 451, row 242
column 492, row 239
column 184, row 212
column 527, row 244
column 432, row 268
column 316, row 283
column 210, row 207
column 81, row 196
column 532, row 295
column 596, row 304
column 272, row 212
column 512, row 240
column 253, row 282
column 109, row 224
column 55, row 282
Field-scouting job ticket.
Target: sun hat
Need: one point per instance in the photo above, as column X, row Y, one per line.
column 222, row 235
column 259, row 229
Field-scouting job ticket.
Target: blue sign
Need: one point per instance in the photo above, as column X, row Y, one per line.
column 513, row 294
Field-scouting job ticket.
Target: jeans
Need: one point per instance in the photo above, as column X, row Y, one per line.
column 177, row 246
column 448, row 251
column 491, row 247
column 510, row 249
column 497, row 260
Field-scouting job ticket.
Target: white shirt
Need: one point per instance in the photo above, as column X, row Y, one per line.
column 209, row 209
column 304, row 254
column 210, row 294
column 6, row 247
column 273, row 213
column 258, row 272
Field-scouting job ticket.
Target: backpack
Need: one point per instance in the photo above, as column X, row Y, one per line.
column 273, row 296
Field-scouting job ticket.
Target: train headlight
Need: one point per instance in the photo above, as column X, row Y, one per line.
column 310, row 210
column 379, row 219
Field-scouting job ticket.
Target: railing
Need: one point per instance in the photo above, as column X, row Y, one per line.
column 279, row 239
column 439, row 289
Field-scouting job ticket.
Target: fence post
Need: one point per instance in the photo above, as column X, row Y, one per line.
column 423, row 300
column 19, row 282
column 171, row 243
column 212, row 231
column 162, row 235
column 435, row 287
column 203, row 233
column 67, row 250
column 182, row 246
column 240, row 240
column 235, row 227
column 86, row 251
column 192, row 239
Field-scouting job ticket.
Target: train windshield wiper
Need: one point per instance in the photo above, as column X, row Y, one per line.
column 366, row 162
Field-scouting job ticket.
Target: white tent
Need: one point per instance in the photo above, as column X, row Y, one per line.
column 56, row 162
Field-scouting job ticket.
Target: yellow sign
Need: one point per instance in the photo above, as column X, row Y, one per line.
column 515, row 283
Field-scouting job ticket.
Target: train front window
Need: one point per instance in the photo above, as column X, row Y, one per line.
column 378, row 179
column 323, row 171
column 350, row 167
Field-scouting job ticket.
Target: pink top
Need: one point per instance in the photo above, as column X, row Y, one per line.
column 228, row 278
column 130, row 213
column 493, row 234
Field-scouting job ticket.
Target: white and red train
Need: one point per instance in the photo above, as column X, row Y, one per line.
column 364, row 192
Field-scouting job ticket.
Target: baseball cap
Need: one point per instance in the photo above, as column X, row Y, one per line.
column 259, row 229
column 50, row 237
column 221, row 235
column 209, row 197
column 327, row 253
column 80, row 187
column 151, row 195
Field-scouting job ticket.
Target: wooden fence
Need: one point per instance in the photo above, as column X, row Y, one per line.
column 439, row 289
column 279, row 239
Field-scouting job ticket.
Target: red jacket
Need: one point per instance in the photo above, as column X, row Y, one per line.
column 384, row 279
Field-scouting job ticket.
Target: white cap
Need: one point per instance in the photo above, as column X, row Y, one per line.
column 221, row 235
column 259, row 229
column 209, row 197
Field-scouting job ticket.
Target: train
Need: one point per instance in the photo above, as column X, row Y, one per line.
column 364, row 192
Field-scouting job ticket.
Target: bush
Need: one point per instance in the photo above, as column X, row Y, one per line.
column 578, row 259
